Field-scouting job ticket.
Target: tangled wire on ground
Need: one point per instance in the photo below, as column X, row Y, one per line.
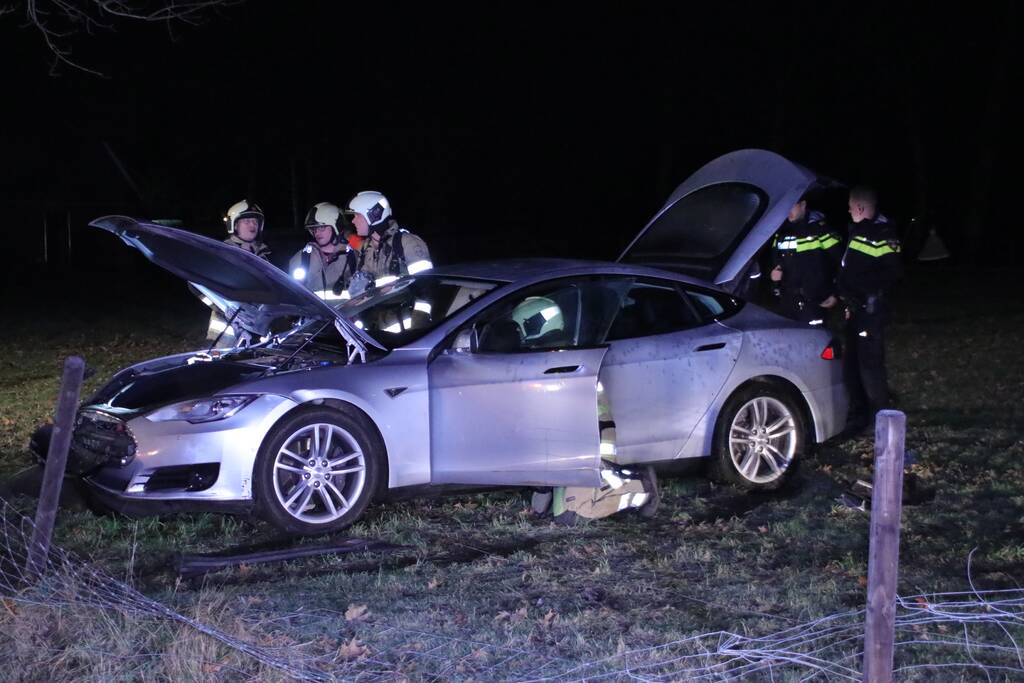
column 952, row 633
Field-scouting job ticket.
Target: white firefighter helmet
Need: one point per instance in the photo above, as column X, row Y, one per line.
column 244, row 209
column 538, row 315
column 323, row 213
column 371, row 205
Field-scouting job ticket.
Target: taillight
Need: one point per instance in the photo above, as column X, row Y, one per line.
column 830, row 352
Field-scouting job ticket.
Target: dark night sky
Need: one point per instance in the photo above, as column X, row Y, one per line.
column 510, row 129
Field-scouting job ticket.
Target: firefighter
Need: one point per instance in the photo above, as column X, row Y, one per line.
column 804, row 257
column 870, row 266
column 326, row 264
column 388, row 251
column 244, row 223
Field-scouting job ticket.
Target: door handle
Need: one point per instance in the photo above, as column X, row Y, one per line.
column 562, row 369
column 711, row 347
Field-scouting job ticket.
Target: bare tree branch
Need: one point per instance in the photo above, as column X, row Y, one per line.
column 60, row 21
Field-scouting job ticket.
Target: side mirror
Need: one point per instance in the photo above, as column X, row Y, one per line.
column 465, row 341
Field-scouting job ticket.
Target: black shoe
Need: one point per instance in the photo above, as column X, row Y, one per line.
column 650, row 480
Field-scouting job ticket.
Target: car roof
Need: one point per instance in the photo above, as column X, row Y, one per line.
column 530, row 269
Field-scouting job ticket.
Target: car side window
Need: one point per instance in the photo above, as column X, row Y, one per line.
column 713, row 306
column 540, row 318
column 650, row 308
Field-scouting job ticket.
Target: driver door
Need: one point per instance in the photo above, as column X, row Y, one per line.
column 521, row 407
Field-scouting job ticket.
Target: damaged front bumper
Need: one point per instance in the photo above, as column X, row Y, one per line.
column 139, row 466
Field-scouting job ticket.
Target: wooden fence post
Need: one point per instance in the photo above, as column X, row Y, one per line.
column 884, row 548
column 53, row 471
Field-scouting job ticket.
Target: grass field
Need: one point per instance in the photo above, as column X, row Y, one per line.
column 484, row 590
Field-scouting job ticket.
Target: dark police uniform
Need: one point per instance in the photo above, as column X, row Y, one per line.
column 870, row 266
column 808, row 253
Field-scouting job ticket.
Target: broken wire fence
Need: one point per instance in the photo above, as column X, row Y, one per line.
column 947, row 635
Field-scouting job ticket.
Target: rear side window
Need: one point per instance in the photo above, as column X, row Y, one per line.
column 705, row 224
column 648, row 309
column 713, row 305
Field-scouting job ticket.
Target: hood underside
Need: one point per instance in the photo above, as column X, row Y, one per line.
column 256, row 293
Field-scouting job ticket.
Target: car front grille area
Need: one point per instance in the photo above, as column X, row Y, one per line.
column 100, row 440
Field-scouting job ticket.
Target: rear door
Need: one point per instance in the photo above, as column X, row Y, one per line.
column 666, row 363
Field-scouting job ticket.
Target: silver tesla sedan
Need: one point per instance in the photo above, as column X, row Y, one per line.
column 482, row 374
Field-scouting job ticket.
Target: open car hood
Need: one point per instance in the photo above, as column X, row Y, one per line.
column 247, row 287
column 715, row 223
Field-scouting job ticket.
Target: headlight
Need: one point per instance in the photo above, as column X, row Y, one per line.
column 203, row 409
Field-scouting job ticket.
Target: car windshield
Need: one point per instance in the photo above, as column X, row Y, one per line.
column 405, row 310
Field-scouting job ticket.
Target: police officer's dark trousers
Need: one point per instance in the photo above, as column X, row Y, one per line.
column 864, row 365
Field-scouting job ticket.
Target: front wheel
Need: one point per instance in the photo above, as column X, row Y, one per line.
column 758, row 439
column 316, row 471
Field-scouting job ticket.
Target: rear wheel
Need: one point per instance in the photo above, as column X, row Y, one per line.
column 759, row 437
column 317, row 471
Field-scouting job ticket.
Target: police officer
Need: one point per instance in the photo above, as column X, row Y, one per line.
column 388, row 251
column 870, row 266
column 804, row 257
column 244, row 222
column 326, row 264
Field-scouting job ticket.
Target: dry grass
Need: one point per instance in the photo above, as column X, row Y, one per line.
column 486, row 591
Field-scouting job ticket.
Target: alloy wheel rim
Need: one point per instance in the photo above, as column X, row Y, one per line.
column 762, row 440
column 319, row 473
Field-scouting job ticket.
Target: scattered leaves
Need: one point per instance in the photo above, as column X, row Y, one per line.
column 549, row 619
column 352, row 650
column 357, row 613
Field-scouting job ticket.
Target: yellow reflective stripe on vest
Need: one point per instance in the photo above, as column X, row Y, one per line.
column 828, row 241
column 873, row 248
column 808, row 244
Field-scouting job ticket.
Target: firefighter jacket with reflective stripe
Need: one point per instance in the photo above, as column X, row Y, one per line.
column 398, row 252
column 254, row 247
column 218, row 324
column 808, row 253
column 326, row 275
column 871, row 263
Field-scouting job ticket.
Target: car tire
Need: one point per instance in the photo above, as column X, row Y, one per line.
column 317, row 470
column 759, row 438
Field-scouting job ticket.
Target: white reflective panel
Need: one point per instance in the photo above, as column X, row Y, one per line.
column 386, row 280
column 345, row 294
column 299, row 273
column 206, row 300
column 607, row 448
column 419, row 266
column 787, row 244
column 422, row 306
column 550, row 312
column 329, row 295
column 407, row 323
column 816, row 322
column 393, row 329
column 221, row 326
column 613, row 480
